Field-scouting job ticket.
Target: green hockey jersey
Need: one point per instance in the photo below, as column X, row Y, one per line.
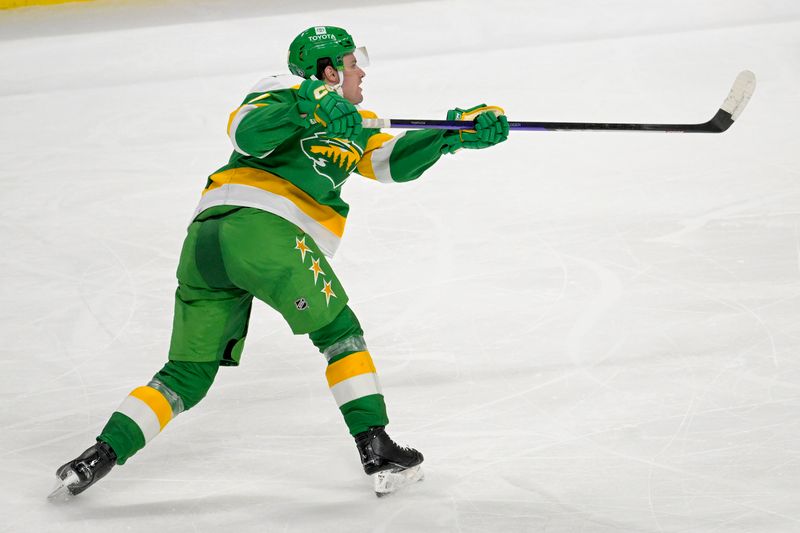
column 283, row 166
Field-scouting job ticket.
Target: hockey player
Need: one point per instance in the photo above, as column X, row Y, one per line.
column 265, row 224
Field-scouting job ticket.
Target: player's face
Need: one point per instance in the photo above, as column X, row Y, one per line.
column 353, row 74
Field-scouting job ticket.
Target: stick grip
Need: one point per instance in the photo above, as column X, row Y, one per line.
column 376, row 123
column 406, row 123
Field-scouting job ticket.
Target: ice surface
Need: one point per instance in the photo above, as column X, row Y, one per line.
column 581, row 331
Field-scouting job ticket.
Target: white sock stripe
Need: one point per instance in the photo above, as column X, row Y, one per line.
column 356, row 387
column 145, row 418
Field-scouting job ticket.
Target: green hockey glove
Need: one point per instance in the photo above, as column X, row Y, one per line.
column 491, row 127
column 340, row 117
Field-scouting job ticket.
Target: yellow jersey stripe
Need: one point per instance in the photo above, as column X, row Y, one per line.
column 364, row 166
column 257, row 98
column 246, row 108
column 156, row 401
column 353, row 365
column 261, row 179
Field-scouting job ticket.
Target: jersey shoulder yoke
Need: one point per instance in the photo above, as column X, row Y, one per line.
column 276, row 83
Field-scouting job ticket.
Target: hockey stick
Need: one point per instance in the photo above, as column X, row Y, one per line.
column 731, row 108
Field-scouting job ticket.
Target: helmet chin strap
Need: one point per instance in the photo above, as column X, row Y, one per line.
column 337, row 87
column 334, row 87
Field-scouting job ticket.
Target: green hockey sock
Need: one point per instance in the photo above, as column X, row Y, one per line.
column 146, row 410
column 351, row 374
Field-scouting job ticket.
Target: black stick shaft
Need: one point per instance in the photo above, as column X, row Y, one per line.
column 731, row 108
column 721, row 121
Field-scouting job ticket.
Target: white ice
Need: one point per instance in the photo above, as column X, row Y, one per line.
column 591, row 332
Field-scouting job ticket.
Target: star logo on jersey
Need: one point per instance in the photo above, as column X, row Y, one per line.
column 316, row 269
column 300, row 244
column 328, row 292
column 333, row 158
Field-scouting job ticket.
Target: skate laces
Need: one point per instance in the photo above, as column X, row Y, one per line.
column 406, row 449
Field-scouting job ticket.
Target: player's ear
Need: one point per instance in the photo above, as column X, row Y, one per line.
column 331, row 74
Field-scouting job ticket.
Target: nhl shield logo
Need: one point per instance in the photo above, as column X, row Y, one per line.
column 301, row 304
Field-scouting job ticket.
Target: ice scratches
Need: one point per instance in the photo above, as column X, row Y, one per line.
column 596, row 309
column 702, row 291
column 45, row 443
column 132, row 307
column 694, row 224
column 738, row 306
column 652, row 463
column 797, row 245
column 406, row 508
column 545, row 315
column 609, row 294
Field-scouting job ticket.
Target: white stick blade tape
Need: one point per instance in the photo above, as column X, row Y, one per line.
column 740, row 94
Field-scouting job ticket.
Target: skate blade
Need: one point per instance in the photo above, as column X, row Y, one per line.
column 61, row 488
column 388, row 481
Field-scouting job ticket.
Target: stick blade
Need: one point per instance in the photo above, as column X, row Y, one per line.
column 742, row 90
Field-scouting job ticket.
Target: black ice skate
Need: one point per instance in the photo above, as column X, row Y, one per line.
column 81, row 473
column 393, row 466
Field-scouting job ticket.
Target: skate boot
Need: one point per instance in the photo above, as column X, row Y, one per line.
column 392, row 466
column 81, row 473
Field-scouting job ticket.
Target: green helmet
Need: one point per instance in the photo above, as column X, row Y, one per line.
column 319, row 42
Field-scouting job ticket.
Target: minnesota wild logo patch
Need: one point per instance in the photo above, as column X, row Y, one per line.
column 333, row 158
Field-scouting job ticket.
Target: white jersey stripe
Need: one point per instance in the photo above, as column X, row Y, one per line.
column 381, row 157
column 247, row 196
column 240, row 114
column 276, row 83
column 271, row 83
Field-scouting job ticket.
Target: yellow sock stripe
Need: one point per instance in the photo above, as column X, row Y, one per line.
column 155, row 401
column 353, row 365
